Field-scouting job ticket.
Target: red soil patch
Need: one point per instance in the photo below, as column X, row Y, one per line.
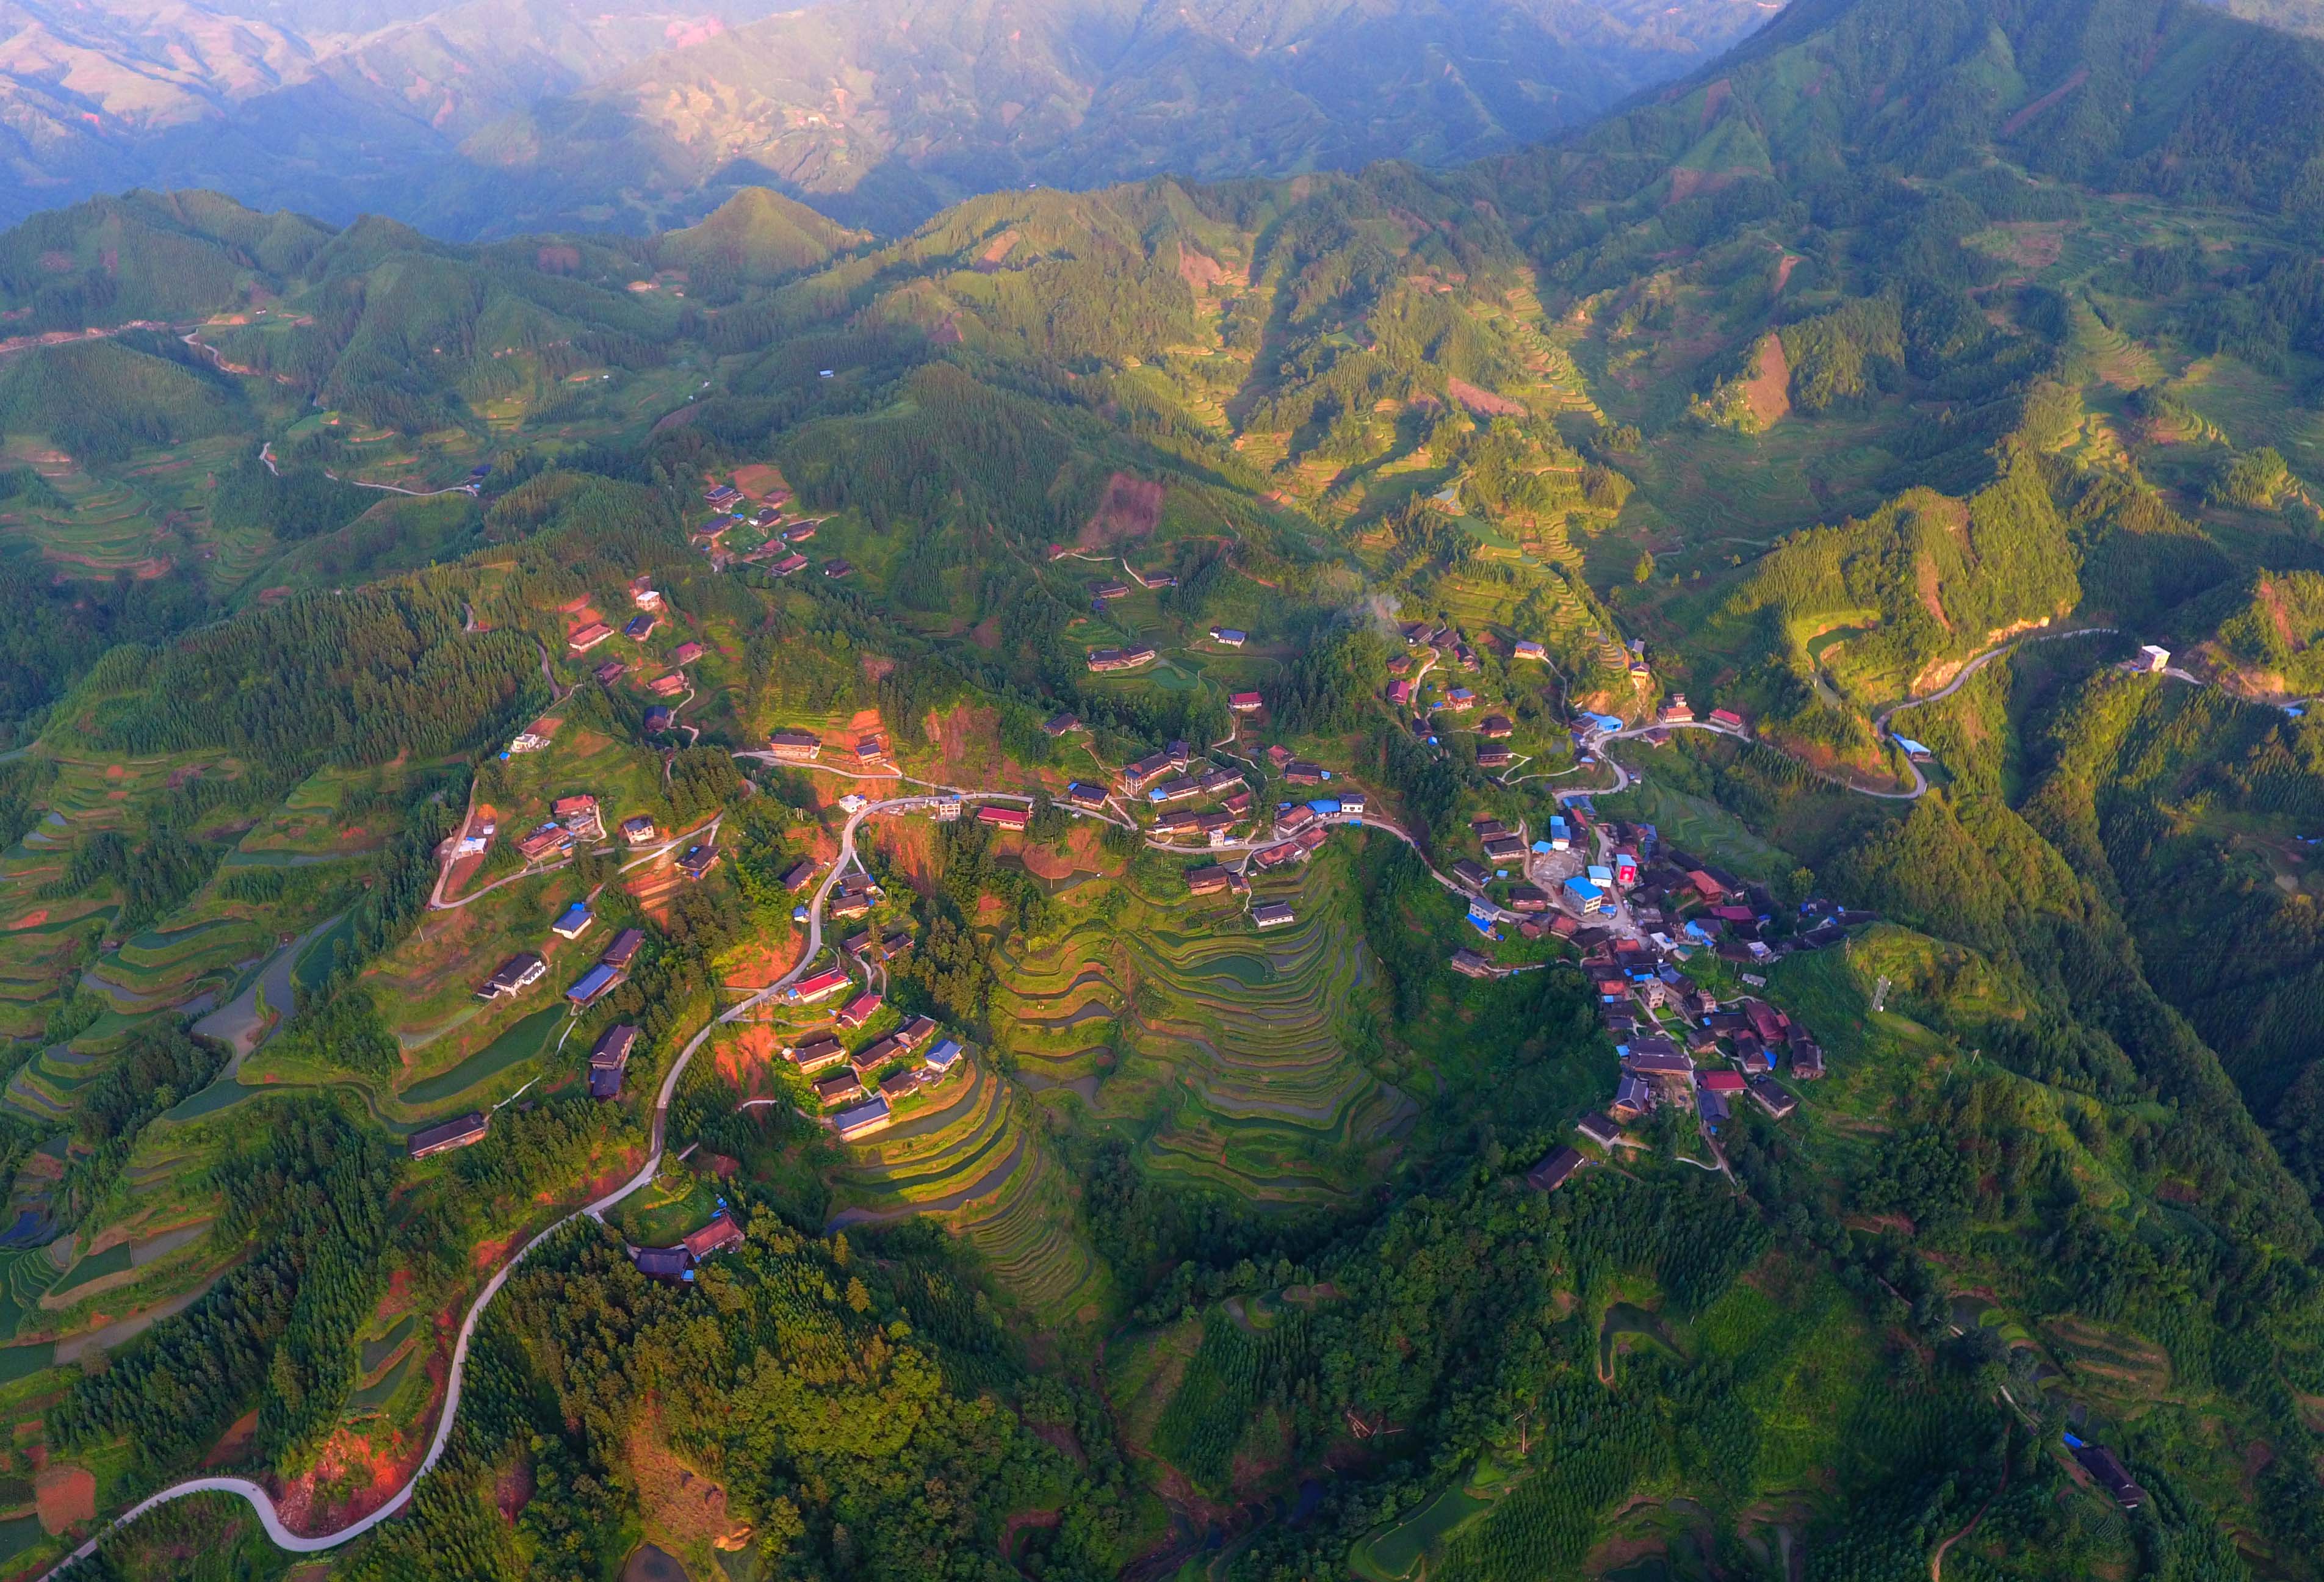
column 489, row 1253
column 1768, row 392
column 115, row 772
column 1200, row 271
column 761, row 479
column 1784, row 272
column 744, row 1059
column 234, row 1445
column 995, row 250
column 1483, row 402
column 2272, row 600
column 64, row 1495
column 2018, row 122
column 1714, row 97
column 1129, row 510
column 513, row 1491
column 1686, row 184
column 32, row 920
column 556, row 258
column 144, row 571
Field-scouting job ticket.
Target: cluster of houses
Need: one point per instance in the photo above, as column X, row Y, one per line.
column 780, row 531
column 1445, row 640
column 1678, row 1044
column 869, row 1082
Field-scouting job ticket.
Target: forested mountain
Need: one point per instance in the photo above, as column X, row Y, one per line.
column 1934, row 388
column 486, row 118
column 881, row 112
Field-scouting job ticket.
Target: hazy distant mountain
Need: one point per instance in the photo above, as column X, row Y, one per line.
column 334, row 106
column 495, row 115
column 882, row 111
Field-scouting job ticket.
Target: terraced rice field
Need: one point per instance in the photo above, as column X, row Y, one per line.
column 1234, row 1074
column 963, row 1151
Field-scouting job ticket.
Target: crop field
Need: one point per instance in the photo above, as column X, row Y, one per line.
column 1230, row 1070
column 138, row 517
column 969, row 1149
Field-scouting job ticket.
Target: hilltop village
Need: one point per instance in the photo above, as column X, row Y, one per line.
column 1671, row 946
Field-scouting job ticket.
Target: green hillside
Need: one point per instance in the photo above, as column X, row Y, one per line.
column 1887, row 386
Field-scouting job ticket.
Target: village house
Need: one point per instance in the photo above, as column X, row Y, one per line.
column 1506, row 848
column 874, row 1055
column 1299, row 772
column 580, row 817
column 1002, row 815
column 819, row 986
column 1105, row 592
column 1272, row 914
column 941, row 1059
column 914, row 1031
column 789, row 565
column 1208, row 880
column 638, row 628
column 862, row 1121
column 1528, row 898
column 657, row 721
column 1495, row 757
column 594, row 985
column 623, row 949
column 447, row 1135
column 1599, row 1129
column 1472, row 872
column 574, row 922
column 870, row 752
column 1555, row 1171
column 611, row 671
column 848, row 905
column 697, row 862
column 584, row 638
column 1632, row 1098
column 1061, row 725
column 670, row 1266
column 1229, row 636
column 535, row 738
column 1399, row 692
column 1807, row 1061
column 835, row 569
column 799, row 876
column 686, row 653
column 1469, row 964
column 2107, row 1471
column 795, row 746
column 1177, row 789
column 818, row 1053
column 859, row 1010
column 668, row 684
column 1101, row 659
column 512, row 977
column 1084, row 796
column 1527, row 647
column 1772, row 1098
column 546, row 841
column 1245, row 702
column 838, row 1087
column 799, row 532
column 643, row 594
column 898, row 1084
column 609, row 1058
